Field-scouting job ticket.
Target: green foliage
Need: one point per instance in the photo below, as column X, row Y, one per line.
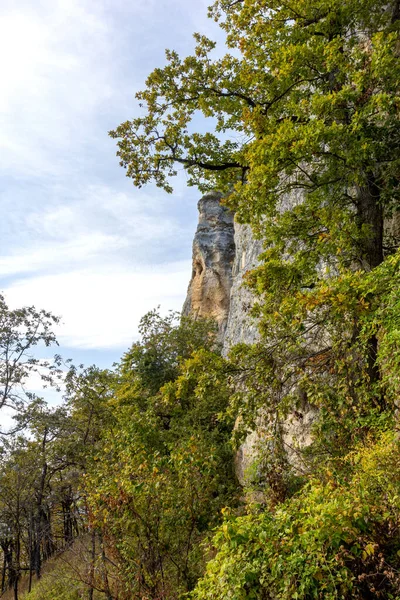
column 21, row 330
column 64, row 579
column 89, row 396
column 333, row 347
column 57, row 586
column 304, row 143
column 155, row 359
column 164, row 470
column 303, row 103
column 337, row 538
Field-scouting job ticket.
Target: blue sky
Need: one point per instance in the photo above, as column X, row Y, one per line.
column 77, row 238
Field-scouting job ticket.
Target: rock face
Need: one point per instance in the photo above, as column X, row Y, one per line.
column 240, row 326
column 223, row 252
column 213, row 256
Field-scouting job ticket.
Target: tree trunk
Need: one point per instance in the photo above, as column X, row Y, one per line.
column 17, row 567
column 39, row 518
column 92, row 565
column 370, row 222
column 68, row 522
column 7, row 548
column 47, row 533
column 3, row 574
column 31, row 566
column 107, row 590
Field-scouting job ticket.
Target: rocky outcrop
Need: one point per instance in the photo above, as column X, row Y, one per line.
column 223, row 252
column 240, row 325
column 213, row 256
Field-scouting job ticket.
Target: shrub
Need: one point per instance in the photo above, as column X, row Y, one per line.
column 336, row 538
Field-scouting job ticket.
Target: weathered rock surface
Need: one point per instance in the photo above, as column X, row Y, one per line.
column 213, row 256
column 223, row 252
column 240, row 326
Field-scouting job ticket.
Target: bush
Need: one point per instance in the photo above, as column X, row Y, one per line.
column 337, row 538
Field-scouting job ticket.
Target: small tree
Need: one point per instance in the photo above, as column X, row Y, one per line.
column 21, row 331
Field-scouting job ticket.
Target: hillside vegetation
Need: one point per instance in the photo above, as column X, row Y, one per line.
column 137, row 464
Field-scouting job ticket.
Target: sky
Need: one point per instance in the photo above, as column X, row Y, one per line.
column 76, row 237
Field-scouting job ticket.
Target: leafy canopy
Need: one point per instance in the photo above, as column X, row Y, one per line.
column 304, row 143
column 21, row 330
column 337, row 538
column 307, row 101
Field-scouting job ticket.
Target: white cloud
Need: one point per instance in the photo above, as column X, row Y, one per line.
column 93, row 225
column 52, row 60
column 69, row 65
column 57, row 254
column 101, row 309
column 139, row 215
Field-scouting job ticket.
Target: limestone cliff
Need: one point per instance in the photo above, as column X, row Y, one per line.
column 213, row 256
column 240, row 326
column 223, row 252
column 296, row 429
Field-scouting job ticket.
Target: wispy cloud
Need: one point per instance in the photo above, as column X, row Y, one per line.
column 94, row 225
column 101, row 309
column 50, row 55
column 94, row 207
column 55, row 256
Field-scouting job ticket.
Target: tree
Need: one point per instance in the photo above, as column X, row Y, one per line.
column 16, row 478
column 165, row 341
column 21, row 330
column 338, row 538
column 164, row 471
column 307, row 100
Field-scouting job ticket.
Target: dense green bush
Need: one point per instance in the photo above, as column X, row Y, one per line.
column 337, row 538
column 165, row 469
